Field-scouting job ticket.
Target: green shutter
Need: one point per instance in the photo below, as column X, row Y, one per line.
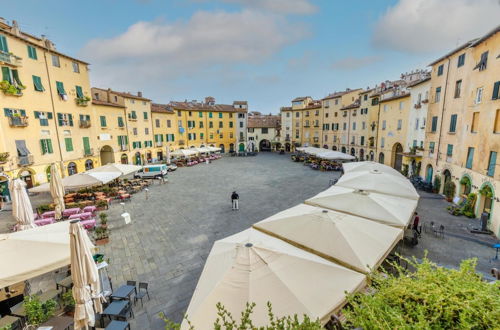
column 15, row 76
column 37, row 114
column 22, row 112
column 220, row 114
column 60, row 88
column 49, row 146
column 79, row 92
column 43, row 146
column 496, row 91
column 156, row 137
column 3, row 44
column 32, row 52
column 434, row 123
column 60, row 119
column 70, row 119
column 49, row 115
column 145, row 115
column 103, row 121
column 453, row 123
column 470, row 158
column 7, row 112
column 200, row 114
column 492, row 163
column 449, row 151
column 69, row 144
column 126, row 139
column 86, row 145
column 120, row 122
column 6, row 74
column 37, row 82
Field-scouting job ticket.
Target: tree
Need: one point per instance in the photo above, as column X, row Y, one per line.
column 431, row 297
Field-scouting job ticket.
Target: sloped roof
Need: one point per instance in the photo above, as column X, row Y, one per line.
column 339, row 94
column 110, row 104
column 163, row 108
column 270, row 121
column 204, row 107
column 124, row 94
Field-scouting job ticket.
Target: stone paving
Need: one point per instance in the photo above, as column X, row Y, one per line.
column 174, row 226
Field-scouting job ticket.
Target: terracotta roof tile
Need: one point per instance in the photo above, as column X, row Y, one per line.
column 204, row 107
column 269, row 121
column 110, row 104
column 163, row 108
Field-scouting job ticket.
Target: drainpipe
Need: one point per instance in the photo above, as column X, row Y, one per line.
column 376, row 132
column 54, row 114
column 442, row 113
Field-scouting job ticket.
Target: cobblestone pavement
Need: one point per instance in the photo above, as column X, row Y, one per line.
column 174, row 226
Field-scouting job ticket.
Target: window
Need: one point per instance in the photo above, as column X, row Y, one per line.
column 492, row 163
column 3, row 44
column 461, row 60
column 221, row 124
column 60, row 89
column 32, row 52
column 458, row 86
column 65, row 119
column 414, row 143
column 470, row 157
column 37, row 83
column 385, row 107
column 55, row 61
column 231, row 124
column 400, row 124
column 453, row 123
column 220, row 114
column 401, row 105
column 120, row 122
column 210, row 115
column 68, row 142
column 475, row 122
column 482, row 62
column 345, row 126
column 200, row 114
column 103, row 121
column 201, row 124
column 146, row 131
column 76, row 67
column 354, row 126
column 157, row 122
column 43, row 117
column 440, row 70
column 382, row 142
column 437, row 97
column 46, row 146
column 375, row 101
column 265, row 130
column 241, row 124
column 133, row 102
column 210, row 124
column 496, row 129
column 96, row 96
column 434, row 124
column 362, row 142
column 79, row 92
column 250, row 130
column 179, row 113
column 86, row 145
column 116, row 98
column 297, row 114
column 449, row 150
column 134, row 130
column 479, row 95
column 190, row 113
column 145, row 114
column 431, row 147
column 384, row 124
column 496, row 91
column 169, row 123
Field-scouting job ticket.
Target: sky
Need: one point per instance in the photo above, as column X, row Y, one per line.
column 266, row 52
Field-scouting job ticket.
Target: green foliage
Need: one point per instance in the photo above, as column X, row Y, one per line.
column 465, row 181
column 44, row 208
column 468, row 208
column 101, row 203
column 449, row 189
column 405, row 169
column 437, row 184
column 4, row 156
column 103, row 217
column 38, row 312
column 225, row 321
column 82, row 100
column 486, row 191
column 10, row 89
column 431, row 297
column 67, row 299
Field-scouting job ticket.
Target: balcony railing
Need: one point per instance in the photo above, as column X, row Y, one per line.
column 182, row 142
column 18, row 121
column 6, row 58
column 84, row 123
column 88, row 152
column 241, row 139
column 25, row 160
column 123, row 147
column 159, row 143
column 307, row 126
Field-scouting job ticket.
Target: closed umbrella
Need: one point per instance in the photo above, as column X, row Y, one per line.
column 351, row 241
column 57, row 190
column 254, row 267
column 387, row 209
column 368, row 166
column 85, row 276
column 21, row 205
column 168, row 156
column 380, row 182
column 123, row 169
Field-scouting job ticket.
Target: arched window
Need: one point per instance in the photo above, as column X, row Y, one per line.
column 89, row 164
column 381, row 158
column 72, row 168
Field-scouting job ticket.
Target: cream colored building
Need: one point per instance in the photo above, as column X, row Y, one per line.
column 165, row 129
column 264, row 132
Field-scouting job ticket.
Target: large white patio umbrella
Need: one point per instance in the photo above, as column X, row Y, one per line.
column 33, row 252
column 123, row 169
column 21, row 205
column 351, row 241
column 57, row 190
column 254, row 267
column 85, row 276
column 368, row 166
column 377, row 181
column 214, row 149
column 184, row 152
column 81, row 180
column 387, row 209
column 168, row 156
column 334, row 155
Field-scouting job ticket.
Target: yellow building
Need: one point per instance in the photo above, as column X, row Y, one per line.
column 138, row 125
column 462, row 137
column 165, row 129
column 43, row 94
column 209, row 124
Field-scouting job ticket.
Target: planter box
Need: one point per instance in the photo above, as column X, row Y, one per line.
column 102, row 241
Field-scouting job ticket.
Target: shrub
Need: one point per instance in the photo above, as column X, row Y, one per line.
column 431, row 297
column 102, row 203
column 437, row 184
column 103, row 217
column 67, row 299
column 38, row 312
column 449, row 189
column 44, row 208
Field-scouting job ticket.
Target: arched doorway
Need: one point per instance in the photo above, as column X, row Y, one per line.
column 264, row 145
column 222, row 149
column 159, row 155
column 231, row 147
column 465, row 186
column 325, row 146
column 107, row 155
column 287, row 147
column 343, row 150
column 381, row 158
column 89, row 164
column 334, row 148
column 277, row 146
column 149, row 156
column 446, row 176
column 361, row 154
column 72, row 168
column 124, row 159
column 137, row 158
column 486, row 196
column 397, row 156
column 26, row 175
column 429, row 173
column 372, row 156
column 353, row 152
column 4, row 188
column 241, row 147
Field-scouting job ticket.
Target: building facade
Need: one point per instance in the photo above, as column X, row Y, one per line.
column 264, row 132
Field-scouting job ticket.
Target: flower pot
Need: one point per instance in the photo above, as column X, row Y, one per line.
column 102, row 241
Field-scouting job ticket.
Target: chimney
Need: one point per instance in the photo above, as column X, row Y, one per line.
column 139, row 94
column 108, row 95
column 15, row 28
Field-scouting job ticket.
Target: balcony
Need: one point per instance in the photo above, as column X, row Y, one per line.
column 123, row 147
column 25, row 160
column 132, row 118
column 88, row 152
column 241, row 139
column 18, row 121
column 182, row 142
column 10, row 59
column 159, row 143
column 307, row 126
column 84, row 123
column 316, row 125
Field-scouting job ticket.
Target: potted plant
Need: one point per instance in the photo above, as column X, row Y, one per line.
column 449, row 190
column 68, row 302
column 104, row 219
column 486, row 191
column 101, row 204
column 437, row 184
column 38, row 312
column 43, row 208
column 101, row 236
column 82, row 101
column 10, row 89
column 4, row 157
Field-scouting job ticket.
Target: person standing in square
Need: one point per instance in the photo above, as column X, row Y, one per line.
column 234, row 199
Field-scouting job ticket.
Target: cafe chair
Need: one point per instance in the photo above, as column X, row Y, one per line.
column 143, row 291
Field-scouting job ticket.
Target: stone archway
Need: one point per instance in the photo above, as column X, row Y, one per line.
column 89, row 164
column 222, row 149
column 465, row 186
column 361, row 154
column 397, row 156
column 137, row 158
column 334, row 148
column 353, row 152
column 231, row 147
column 343, row 150
column 372, row 156
column 381, row 158
column 124, row 159
column 486, row 198
column 264, row 145
column 325, row 146
column 446, row 176
column 107, row 155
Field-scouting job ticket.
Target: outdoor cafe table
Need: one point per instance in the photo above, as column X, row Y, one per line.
column 45, row 221
column 82, row 216
column 118, row 325
column 68, row 212
column 58, row 323
column 66, row 283
column 49, row 214
column 44, row 297
column 115, row 308
column 8, row 322
column 123, row 292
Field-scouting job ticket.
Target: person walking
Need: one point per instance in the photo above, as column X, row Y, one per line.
column 234, row 199
column 416, row 221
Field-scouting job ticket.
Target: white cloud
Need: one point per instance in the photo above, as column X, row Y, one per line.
column 302, row 7
column 166, row 50
column 355, row 63
column 434, row 25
